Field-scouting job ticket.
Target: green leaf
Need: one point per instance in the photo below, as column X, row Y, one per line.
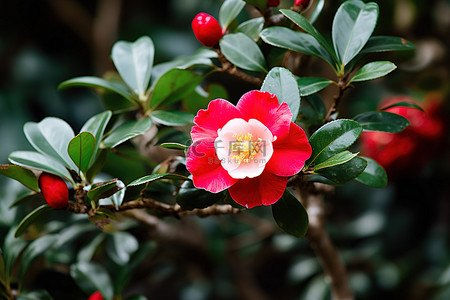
column 229, row 10
column 37, row 161
column 313, row 110
column 88, row 251
column 290, row 215
column 316, row 12
column 92, row 277
column 345, row 172
column 136, row 297
column 31, row 218
column 200, row 97
column 189, row 197
column 403, row 104
column 373, row 175
column 296, row 41
column 382, row 121
column 252, row 28
column 174, row 146
column 22, row 175
column 103, row 189
column 117, row 198
column 95, row 82
column 261, row 4
column 153, row 177
column 12, row 248
column 120, row 246
column 353, row 25
column 51, row 137
column 96, row 125
column 333, row 138
column 243, row 52
column 32, row 197
column 134, row 61
column 172, row 118
column 127, row 131
column 373, row 70
column 282, row 83
column 385, row 44
column 97, row 165
column 81, row 148
column 173, row 86
column 304, row 24
column 311, row 85
column 35, row 295
column 335, row 160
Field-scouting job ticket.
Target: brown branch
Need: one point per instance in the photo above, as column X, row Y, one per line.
column 231, row 69
column 342, row 86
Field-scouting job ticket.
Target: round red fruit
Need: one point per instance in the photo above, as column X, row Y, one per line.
column 207, row 30
column 273, row 3
column 96, row 296
column 303, row 3
column 54, row 190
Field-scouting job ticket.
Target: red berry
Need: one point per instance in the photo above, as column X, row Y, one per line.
column 303, row 3
column 54, row 190
column 273, row 3
column 207, row 30
column 96, row 296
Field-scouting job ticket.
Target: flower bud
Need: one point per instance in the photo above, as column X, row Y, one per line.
column 96, row 296
column 273, row 3
column 303, row 3
column 207, row 30
column 54, row 190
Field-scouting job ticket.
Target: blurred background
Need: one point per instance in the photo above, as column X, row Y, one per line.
column 395, row 240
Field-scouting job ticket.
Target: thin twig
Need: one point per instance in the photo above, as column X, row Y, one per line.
column 231, row 69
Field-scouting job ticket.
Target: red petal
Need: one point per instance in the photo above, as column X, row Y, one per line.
column 206, row 168
column 289, row 154
column 264, row 107
column 266, row 189
column 208, row 121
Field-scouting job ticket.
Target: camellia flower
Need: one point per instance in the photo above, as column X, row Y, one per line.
column 249, row 149
column 207, row 30
column 54, row 190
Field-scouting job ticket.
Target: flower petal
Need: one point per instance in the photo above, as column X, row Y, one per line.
column 265, row 189
column 290, row 153
column 206, row 168
column 264, row 107
column 208, row 121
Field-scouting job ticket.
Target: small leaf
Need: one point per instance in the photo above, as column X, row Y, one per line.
column 311, row 85
column 290, row 215
column 32, row 197
column 95, row 82
column 127, row 131
column 31, row 218
column 81, row 148
column 385, row 44
column 316, row 12
column 103, row 190
column 35, row 295
column 134, row 61
column 403, row 104
column 252, row 28
column 172, row 118
column 373, row 70
column 117, row 198
column 174, row 146
column 313, row 110
column 343, row 173
column 153, row 177
column 189, row 197
column 120, row 246
column 229, row 10
column 373, row 175
column 382, row 121
column 243, row 52
column 282, row 83
column 92, row 277
column 335, row 160
column 22, row 175
column 96, row 125
column 12, row 248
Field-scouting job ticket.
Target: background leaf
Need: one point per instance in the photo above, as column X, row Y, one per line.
column 373, row 70
column 189, row 197
column 120, row 246
column 172, row 118
column 92, row 277
column 382, row 121
column 385, row 44
column 373, row 175
column 343, row 173
column 31, row 218
column 290, row 215
column 311, row 85
column 229, row 10
column 22, row 175
column 81, row 148
column 403, row 104
column 127, row 131
column 243, row 52
column 317, row 11
column 252, row 28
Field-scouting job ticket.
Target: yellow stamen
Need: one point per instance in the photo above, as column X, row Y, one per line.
column 245, row 148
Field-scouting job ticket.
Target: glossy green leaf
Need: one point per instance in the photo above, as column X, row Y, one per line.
column 172, row 118
column 32, row 197
column 95, row 82
column 353, row 25
column 127, row 131
column 189, row 197
column 174, row 146
column 317, row 11
column 117, row 198
column 31, row 218
column 261, row 4
column 373, row 70
column 313, row 110
column 252, row 28
column 229, row 10
column 382, row 121
column 153, row 177
column 97, row 165
column 97, row 125
column 134, row 61
column 296, row 41
column 173, row 86
column 345, row 172
column 22, row 175
column 81, row 148
column 304, row 24
column 403, row 104
column 35, row 160
column 200, row 97
column 373, row 175
column 92, row 277
column 385, row 44
column 282, row 83
column 333, row 138
column 243, row 52
column 120, row 246
column 103, row 189
column 51, row 137
column 290, row 215
column 335, row 160
column 311, row 85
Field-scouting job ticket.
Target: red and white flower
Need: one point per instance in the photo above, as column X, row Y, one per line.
column 250, row 148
